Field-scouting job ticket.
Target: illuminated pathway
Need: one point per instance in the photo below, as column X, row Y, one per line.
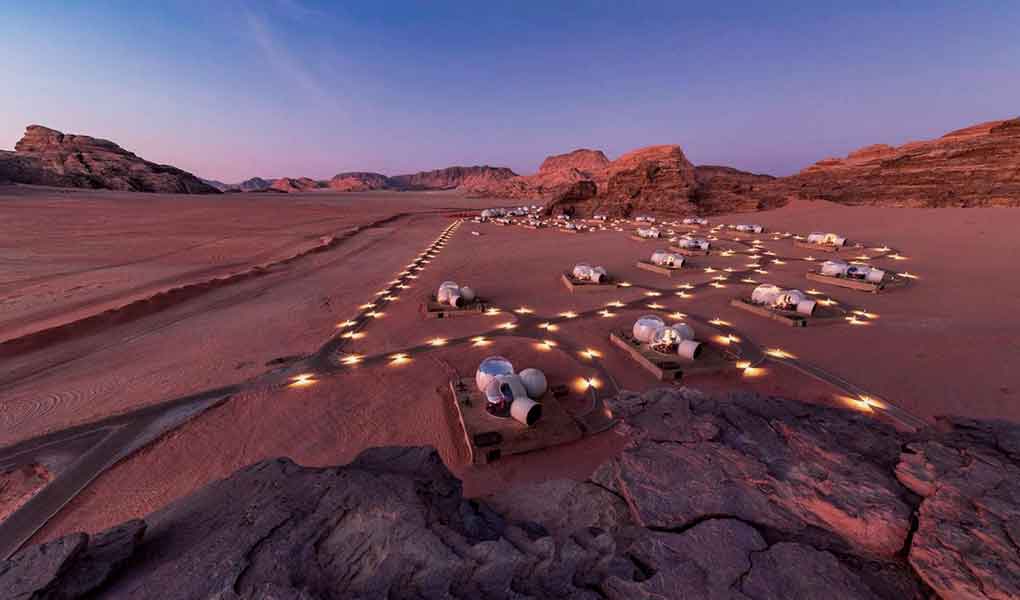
column 102, row 444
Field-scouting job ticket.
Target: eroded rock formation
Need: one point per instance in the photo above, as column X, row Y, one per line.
column 48, row 157
column 974, row 166
column 451, row 178
column 358, row 182
column 745, row 497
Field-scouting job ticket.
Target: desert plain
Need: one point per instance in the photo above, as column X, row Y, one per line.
column 114, row 302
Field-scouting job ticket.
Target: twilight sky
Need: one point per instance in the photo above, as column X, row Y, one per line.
column 232, row 89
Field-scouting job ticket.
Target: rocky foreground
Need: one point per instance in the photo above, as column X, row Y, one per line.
column 743, row 498
column 48, row 157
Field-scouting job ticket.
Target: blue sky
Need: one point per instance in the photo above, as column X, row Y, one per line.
column 234, row 89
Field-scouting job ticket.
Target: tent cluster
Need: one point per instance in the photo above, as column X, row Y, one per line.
column 775, row 297
column 650, row 233
column 673, row 339
column 695, row 221
column 692, row 243
column 839, row 268
column 746, row 228
column 586, row 272
column 454, row 295
column 667, row 259
column 826, row 239
column 510, row 394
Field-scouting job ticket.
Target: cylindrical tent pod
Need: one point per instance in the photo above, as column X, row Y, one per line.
column 468, row 294
column 869, row 274
column 449, row 293
column 534, row 382
column 816, row 237
column 646, row 327
column 586, row 272
column 689, row 349
column 765, row 293
column 489, row 368
column 501, row 393
column 526, row 411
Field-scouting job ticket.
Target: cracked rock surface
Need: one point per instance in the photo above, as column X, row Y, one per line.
column 746, row 497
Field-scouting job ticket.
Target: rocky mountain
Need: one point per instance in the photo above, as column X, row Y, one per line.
column 299, row 184
column 48, row 157
column 359, row 182
column 653, row 179
column 255, row 184
column 451, row 178
column 223, row 187
column 974, row 166
column 583, row 160
column 745, row 497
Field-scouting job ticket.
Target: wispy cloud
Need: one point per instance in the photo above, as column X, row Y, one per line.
column 294, row 9
column 280, row 58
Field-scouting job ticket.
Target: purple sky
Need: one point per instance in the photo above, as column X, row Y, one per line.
column 303, row 88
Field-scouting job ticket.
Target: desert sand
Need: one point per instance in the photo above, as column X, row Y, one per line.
column 945, row 344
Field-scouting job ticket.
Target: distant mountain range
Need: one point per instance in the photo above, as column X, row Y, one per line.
column 975, row 166
column 360, row 181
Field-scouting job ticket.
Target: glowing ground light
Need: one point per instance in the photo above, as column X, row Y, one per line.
column 719, row 322
column 865, row 314
column 590, row 353
column 730, row 270
column 480, row 340
column 568, row 314
column 584, row 383
column 624, row 284
column 748, row 280
column 684, row 295
column 853, row 320
column 615, row 304
column 720, row 278
column 524, row 310
column 404, row 286
column 508, row 325
column 354, row 335
column 754, row 372
column 776, row 261
column 882, row 249
column 346, row 324
column 351, row 359
column 761, row 271
column 491, row 312
column 302, row 380
column 399, row 358
column 908, row 275
column 743, row 364
column 809, row 258
column 717, row 285
column 828, row 302
column 709, row 270
column 897, row 257
column 437, row 342
column 369, row 305
column 779, row 353
column 655, row 306
column 677, row 315
column 653, row 294
column 814, row 292
column 375, row 314
column 607, row 313
column 548, row 326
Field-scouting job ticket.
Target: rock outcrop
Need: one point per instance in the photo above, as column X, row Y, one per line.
column 588, row 162
column 48, row 157
column 358, row 182
column 655, row 179
column 746, row 497
column 255, row 184
column 299, row 184
column 451, row 178
column 974, row 166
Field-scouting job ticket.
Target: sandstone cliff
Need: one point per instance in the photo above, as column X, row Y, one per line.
column 584, row 160
column 451, row 178
column 358, row 182
column 48, row 157
column 299, row 184
column 746, row 497
column 974, row 166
